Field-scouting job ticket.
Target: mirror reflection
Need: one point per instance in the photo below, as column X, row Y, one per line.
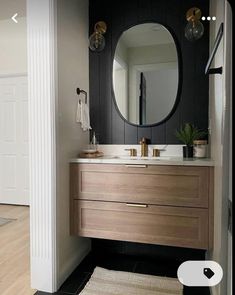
column 145, row 74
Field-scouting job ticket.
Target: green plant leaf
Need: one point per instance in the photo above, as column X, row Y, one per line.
column 188, row 133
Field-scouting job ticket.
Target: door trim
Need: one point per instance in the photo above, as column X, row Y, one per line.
column 42, row 83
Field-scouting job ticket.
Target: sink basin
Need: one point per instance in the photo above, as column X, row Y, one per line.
column 141, row 158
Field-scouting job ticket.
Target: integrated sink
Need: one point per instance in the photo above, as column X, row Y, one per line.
column 142, row 158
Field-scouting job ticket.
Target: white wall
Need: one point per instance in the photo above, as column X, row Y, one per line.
column 57, row 64
column 13, row 46
column 159, row 103
column 120, row 78
column 10, row 7
column 139, row 59
column 121, row 52
column 215, row 114
column 219, row 145
column 120, row 90
column 72, row 40
column 229, row 94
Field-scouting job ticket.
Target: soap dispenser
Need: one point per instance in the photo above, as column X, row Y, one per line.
column 94, row 141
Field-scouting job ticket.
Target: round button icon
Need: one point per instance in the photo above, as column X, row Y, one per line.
column 200, row 273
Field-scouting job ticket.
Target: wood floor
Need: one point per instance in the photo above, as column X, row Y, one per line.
column 14, row 252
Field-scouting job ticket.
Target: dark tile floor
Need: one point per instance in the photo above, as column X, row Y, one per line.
column 76, row 282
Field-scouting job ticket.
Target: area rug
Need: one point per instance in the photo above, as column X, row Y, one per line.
column 4, row 221
column 109, row 282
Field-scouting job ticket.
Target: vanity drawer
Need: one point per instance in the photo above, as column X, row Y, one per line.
column 159, row 185
column 163, row 225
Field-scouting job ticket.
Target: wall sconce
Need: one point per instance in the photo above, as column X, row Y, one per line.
column 97, row 40
column 194, row 29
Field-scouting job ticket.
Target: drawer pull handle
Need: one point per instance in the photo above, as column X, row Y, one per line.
column 136, row 166
column 137, row 205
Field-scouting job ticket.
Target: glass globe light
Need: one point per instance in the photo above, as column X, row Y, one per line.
column 194, row 30
column 96, row 42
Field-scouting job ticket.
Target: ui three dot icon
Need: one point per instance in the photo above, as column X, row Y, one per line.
column 209, row 18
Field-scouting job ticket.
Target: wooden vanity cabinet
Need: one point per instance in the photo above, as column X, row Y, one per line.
column 156, row 204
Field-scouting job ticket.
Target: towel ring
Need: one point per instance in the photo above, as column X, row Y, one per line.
column 79, row 91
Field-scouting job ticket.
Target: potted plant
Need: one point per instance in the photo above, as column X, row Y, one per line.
column 187, row 134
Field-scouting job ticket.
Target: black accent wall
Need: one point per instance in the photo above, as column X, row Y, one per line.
column 193, row 102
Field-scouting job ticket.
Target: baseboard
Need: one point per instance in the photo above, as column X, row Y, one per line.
column 13, row 203
column 70, row 266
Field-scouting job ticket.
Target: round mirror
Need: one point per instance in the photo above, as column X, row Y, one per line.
column 145, row 74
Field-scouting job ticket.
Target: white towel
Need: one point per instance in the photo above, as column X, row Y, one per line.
column 82, row 116
column 78, row 113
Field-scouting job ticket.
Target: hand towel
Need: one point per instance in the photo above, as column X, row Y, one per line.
column 78, row 113
column 82, row 116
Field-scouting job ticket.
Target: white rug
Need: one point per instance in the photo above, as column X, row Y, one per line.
column 109, row 282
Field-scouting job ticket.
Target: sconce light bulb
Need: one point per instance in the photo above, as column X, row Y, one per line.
column 96, row 42
column 194, row 30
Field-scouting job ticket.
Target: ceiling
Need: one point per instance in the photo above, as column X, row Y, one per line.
column 9, row 7
column 146, row 35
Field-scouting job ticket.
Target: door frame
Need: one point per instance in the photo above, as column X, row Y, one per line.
column 228, row 91
column 42, row 86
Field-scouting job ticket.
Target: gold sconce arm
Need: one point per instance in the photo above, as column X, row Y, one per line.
column 194, row 29
column 97, row 40
column 193, row 14
column 100, row 27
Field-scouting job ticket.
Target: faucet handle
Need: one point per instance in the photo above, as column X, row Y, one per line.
column 156, row 153
column 133, row 152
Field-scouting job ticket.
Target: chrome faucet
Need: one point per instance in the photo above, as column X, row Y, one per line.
column 144, row 147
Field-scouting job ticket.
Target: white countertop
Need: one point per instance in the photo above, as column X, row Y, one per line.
column 146, row 160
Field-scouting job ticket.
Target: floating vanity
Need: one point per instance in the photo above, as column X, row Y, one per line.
column 164, row 201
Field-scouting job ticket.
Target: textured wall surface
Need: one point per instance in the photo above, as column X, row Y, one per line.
column 72, row 31
column 193, row 99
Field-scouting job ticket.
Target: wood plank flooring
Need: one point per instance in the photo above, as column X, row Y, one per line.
column 14, row 252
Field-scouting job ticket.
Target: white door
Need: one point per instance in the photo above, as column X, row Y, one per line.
column 14, row 174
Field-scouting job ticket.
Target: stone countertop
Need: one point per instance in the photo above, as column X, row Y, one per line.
column 127, row 160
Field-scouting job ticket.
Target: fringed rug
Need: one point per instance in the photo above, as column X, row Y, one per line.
column 4, row 221
column 109, row 282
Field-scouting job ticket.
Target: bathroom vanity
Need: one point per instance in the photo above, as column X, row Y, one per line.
column 147, row 95
column 164, row 202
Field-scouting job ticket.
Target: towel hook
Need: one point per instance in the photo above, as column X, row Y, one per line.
column 79, row 91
